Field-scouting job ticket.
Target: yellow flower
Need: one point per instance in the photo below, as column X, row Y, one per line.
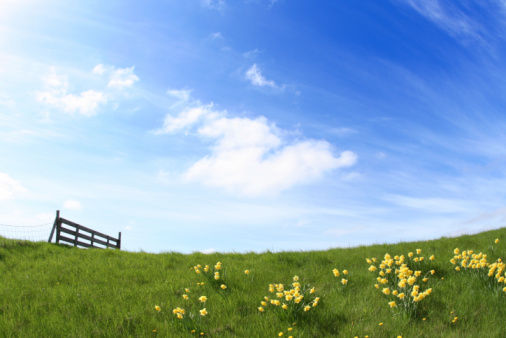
column 372, row 268
column 376, row 286
column 246, row 272
column 295, row 278
column 410, row 254
column 456, row 251
column 157, row 308
column 395, row 292
column 203, row 299
column 223, row 286
column 345, row 272
column 261, row 309
column 216, row 275
column 392, row 304
column 203, row 312
column 312, row 290
column 280, row 334
column 284, row 306
column 386, row 291
column 206, row 268
column 432, row 272
column 187, row 290
column 380, row 324
column 290, row 329
column 418, row 251
column 185, row 296
column 288, row 297
column 344, row 281
column 179, row 316
column 217, row 266
column 401, row 295
column 307, row 308
column 431, row 257
column 496, row 240
column 336, row 272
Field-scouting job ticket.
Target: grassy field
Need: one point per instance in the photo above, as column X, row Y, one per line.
column 59, row 291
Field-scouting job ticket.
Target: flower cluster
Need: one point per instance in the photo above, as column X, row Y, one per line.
column 292, row 303
column 190, row 315
column 214, row 276
column 403, row 281
column 344, row 281
column 468, row 261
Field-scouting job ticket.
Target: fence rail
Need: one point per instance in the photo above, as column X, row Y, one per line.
column 78, row 233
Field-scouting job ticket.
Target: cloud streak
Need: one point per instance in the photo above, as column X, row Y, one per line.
column 9, row 188
column 254, row 75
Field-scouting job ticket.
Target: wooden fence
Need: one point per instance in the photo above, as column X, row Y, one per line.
column 81, row 236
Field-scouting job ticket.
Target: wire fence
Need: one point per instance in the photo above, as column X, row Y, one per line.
column 34, row 233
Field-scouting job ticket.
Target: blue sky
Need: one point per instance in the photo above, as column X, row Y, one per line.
column 219, row 125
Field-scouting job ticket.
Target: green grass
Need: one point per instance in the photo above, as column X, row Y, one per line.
column 60, row 291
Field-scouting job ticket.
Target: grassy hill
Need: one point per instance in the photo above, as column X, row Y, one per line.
column 60, row 291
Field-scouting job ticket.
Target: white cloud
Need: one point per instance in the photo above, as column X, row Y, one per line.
column 123, row 77
column 99, row 69
column 251, row 156
column 257, row 79
column 86, row 103
column 72, row 205
column 182, row 94
column 9, row 188
column 186, row 118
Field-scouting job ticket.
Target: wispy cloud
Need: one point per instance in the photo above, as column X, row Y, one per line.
column 9, row 188
column 250, row 156
column 431, row 204
column 213, row 4
column 72, row 205
column 182, row 94
column 448, row 17
column 257, row 79
column 185, row 119
column 122, row 78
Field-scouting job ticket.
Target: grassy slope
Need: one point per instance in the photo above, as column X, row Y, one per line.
column 51, row 290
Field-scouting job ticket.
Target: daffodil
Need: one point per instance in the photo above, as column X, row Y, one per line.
column 157, row 308
column 203, row 299
column 203, row 312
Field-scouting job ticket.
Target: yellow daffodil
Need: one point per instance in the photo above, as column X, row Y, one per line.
column 157, row 308
column 344, row 281
column 223, row 286
column 203, row 312
column 246, row 272
column 203, row 299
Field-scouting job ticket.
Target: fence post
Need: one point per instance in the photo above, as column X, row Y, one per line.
column 54, row 226
column 77, row 236
column 58, row 230
column 119, row 241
